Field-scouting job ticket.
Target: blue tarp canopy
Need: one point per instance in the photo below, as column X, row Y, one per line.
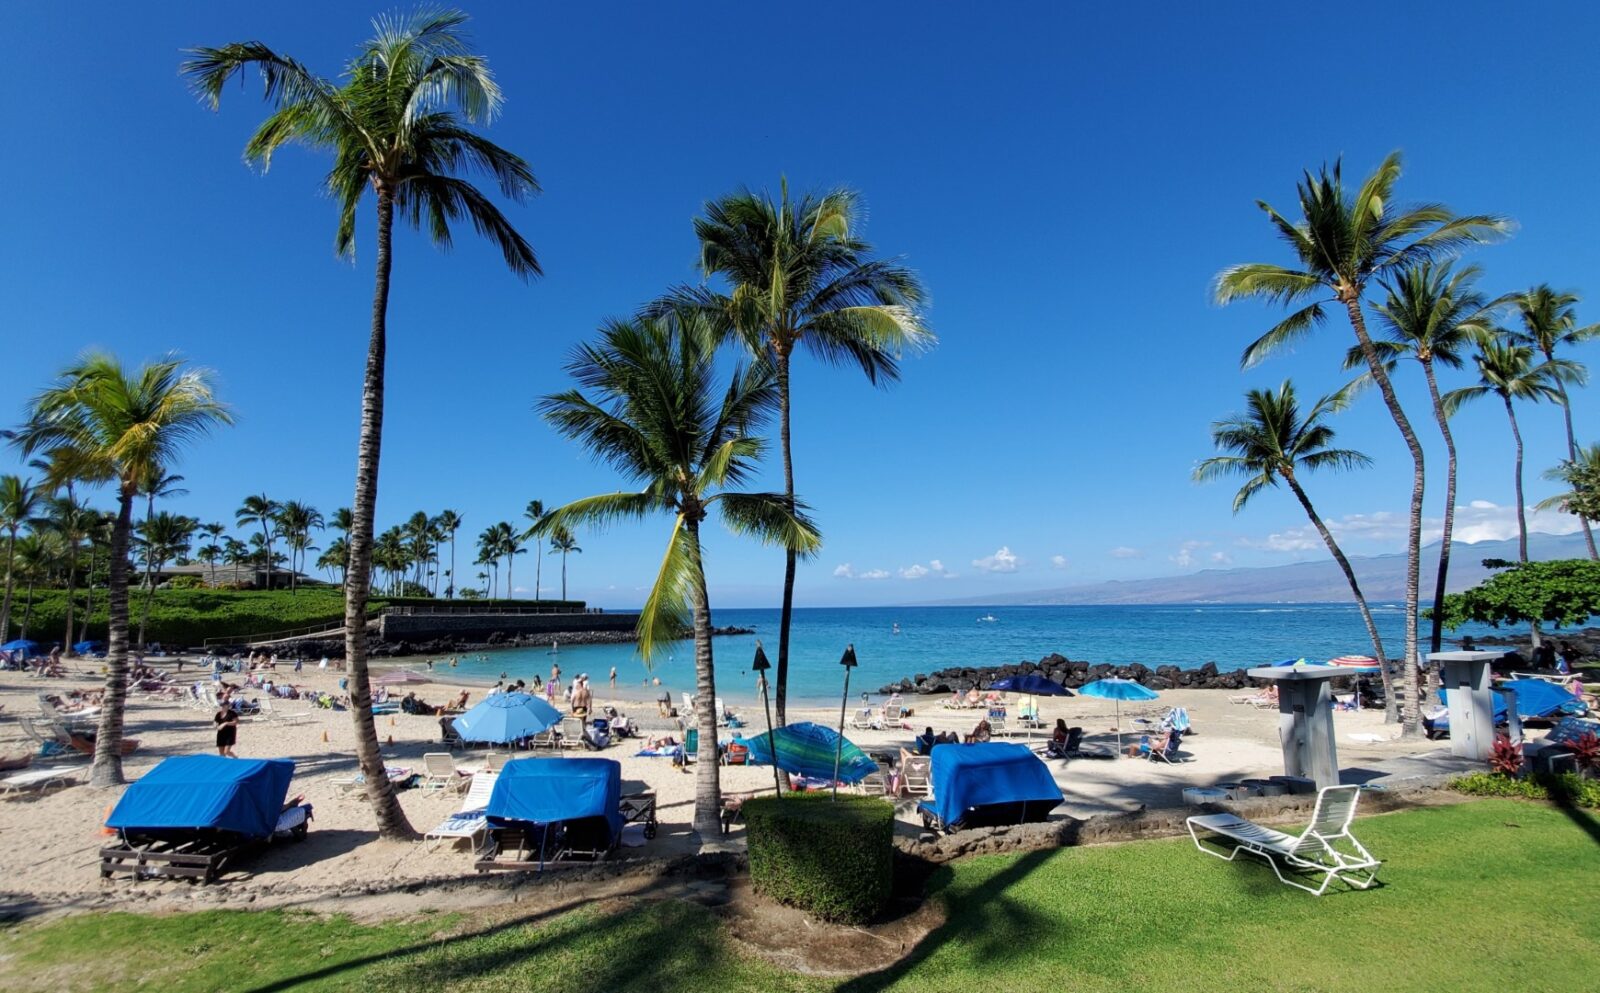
column 1031, row 683
column 1537, row 699
column 967, row 776
column 84, row 647
column 191, row 792
column 20, row 645
column 543, row 791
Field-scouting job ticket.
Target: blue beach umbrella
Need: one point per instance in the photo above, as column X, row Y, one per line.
column 505, row 717
column 22, row 645
column 807, row 749
column 1032, row 683
column 1113, row 688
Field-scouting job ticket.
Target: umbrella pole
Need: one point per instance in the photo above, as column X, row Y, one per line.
column 772, row 737
column 1119, row 726
column 838, row 746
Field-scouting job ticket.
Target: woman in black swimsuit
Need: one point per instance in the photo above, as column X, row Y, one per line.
column 227, row 730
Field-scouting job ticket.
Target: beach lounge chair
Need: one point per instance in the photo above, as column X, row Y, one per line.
column 918, row 773
column 470, row 821
column 988, row 784
column 547, row 812
column 571, row 735
column 1166, row 750
column 271, row 711
column 38, row 779
column 1313, row 851
column 439, row 771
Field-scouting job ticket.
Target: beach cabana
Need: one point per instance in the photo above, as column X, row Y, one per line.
column 988, row 784
column 552, row 810
column 193, row 815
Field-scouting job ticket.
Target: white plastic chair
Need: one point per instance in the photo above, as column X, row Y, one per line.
column 1312, row 851
column 438, row 771
column 470, row 821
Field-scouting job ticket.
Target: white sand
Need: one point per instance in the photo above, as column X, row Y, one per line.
column 48, row 843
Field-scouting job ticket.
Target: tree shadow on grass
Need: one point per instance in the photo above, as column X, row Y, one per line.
column 1581, row 818
column 987, row 922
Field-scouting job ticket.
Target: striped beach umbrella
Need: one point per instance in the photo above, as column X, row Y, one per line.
column 808, row 750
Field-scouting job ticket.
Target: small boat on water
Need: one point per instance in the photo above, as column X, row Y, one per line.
column 986, row 619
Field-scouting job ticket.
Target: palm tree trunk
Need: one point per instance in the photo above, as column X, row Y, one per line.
column 391, row 819
column 511, row 591
column 538, row 566
column 5, row 605
column 1572, row 453
column 1411, row 710
column 107, row 769
column 266, row 537
column 72, row 590
column 1522, row 516
column 707, row 784
column 144, row 612
column 563, row 575
column 1390, row 710
column 780, row 686
column 451, row 589
column 1436, row 639
column 27, row 611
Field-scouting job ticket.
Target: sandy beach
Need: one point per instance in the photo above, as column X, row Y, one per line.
column 48, row 842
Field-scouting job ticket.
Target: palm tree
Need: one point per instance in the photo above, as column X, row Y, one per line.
column 295, row 522
column 654, row 413
column 533, row 515
column 19, row 506
column 1506, row 370
column 1582, row 477
column 510, row 545
column 1548, row 321
column 449, row 523
column 167, row 485
column 334, row 557
column 72, row 521
column 262, row 510
column 1271, row 441
column 397, row 125
column 799, row 276
column 213, row 532
column 1342, row 244
column 161, row 537
column 1431, row 314
column 38, row 553
column 99, row 540
column 562, row 541
column 127, row 430
column 489, row 555
column 418, row 535
column 342, row 521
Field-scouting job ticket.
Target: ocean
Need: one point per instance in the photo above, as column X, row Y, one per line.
column 1234, row 636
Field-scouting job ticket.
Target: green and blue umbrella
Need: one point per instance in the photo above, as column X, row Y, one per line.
column 807, row 749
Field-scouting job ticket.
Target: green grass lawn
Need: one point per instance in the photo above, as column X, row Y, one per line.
column 1489, row 895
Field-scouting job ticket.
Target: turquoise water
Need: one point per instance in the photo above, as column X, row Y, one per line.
column 1233, row 636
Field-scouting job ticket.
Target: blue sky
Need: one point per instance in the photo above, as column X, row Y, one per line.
column 1067, row 181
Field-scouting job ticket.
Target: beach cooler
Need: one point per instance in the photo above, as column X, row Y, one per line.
column 554, row 810
column 986, row 785
column 193, row 815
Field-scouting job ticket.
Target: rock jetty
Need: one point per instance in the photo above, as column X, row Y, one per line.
column 1071, row 674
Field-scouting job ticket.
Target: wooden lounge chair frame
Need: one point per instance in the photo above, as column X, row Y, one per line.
column 203, row 856
column 1313, row 851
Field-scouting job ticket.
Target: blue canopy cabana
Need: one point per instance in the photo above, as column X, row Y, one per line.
column 989, row 783
column 190, row 793
column 547, row 791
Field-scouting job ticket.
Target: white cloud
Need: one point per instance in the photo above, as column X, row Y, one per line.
column 1291, row 540
column 1003, row 560
column 1221, row 558
column 1059, row 561
column 935, row 565
column 1481, row 520
column 919, row 571
column 914, row 572
column 1477, row 520
column 875, row 574
column 1185, row 557
column 1124, row 552
column 846, row 571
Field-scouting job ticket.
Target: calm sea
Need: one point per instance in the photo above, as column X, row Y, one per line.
column 1233, row 636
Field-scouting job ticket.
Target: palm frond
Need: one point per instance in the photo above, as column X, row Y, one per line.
column 766, row 517
column 665, row 614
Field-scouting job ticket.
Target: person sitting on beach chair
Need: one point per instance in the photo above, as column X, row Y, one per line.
column 983, row 732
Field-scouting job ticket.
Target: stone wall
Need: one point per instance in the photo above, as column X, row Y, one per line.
column 1071, row 674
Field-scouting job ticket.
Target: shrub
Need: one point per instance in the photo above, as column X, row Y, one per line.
column 1567, row 787
column 185, row 583
column 1505, row 757
column 832, row 858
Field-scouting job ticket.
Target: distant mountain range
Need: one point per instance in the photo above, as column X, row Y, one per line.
column 1382, row 578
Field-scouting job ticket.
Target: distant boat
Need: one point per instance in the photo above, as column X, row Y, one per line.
column 986, row 618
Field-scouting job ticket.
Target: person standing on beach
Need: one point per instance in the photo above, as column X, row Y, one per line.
column 582, row 698
column 613, row 680
column 227, row 722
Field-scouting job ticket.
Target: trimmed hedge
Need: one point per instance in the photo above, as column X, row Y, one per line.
column 186, row 618
column 832, row 858
column 1568, row 787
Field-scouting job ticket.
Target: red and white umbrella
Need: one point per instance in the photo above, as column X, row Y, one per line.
column 1356, row 664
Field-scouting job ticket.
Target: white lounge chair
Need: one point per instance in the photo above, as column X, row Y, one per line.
column 1312, row 851
column 40, row 779
column 270, row 711
column 470, row 821
column 439, row 771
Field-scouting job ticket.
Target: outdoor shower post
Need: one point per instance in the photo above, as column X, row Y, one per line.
column 1305, row 719
column 1465, row 678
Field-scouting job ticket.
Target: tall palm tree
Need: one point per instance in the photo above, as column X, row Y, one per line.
column 342, row 521
column 418, row 534
column 295, row 522
column 161, row 538
column 213, row 532
column 99, row 541
column 563, row 541
column 126, row 429
column 261, row 510
column 1343, row 243
column 1507, row 370
column 19, row 506
column 511, row 546
column 166, row 486
column 489, row 551
column 1431, row 314
column 398, row 125
column 1270, row 442
column 1548, row 322
column 334, row 557
column 533, row 514
column 38, row 553
column 449, row 523
column 72, row 520
column 655, row 412
column 799, row 276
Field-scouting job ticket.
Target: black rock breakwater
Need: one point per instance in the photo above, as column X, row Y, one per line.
column 378, row 648
column 1071, row 674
